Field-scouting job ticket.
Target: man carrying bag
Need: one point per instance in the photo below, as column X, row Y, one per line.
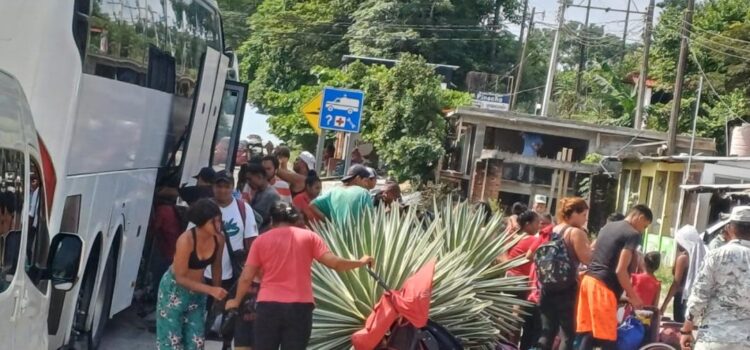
column 239, row 232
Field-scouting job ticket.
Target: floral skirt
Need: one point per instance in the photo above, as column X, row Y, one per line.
column 180, row 316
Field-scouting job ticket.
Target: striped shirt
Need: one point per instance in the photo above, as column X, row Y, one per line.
column 282, row 188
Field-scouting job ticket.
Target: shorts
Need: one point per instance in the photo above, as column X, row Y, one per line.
column 285, row 325
column 597, row 310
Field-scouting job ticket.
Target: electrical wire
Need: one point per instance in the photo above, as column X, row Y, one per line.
column 713, row 90
column 706, row 31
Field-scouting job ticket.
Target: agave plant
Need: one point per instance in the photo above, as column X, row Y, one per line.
column 470, row 294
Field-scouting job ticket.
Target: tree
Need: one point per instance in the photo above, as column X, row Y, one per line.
column 720, row 41
column 235, row 14
column 287, row 39
column 402, row 117
column 410, row 130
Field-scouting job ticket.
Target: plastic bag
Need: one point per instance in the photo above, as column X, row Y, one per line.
column 630, row 334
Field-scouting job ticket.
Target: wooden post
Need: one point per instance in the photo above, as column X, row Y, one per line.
column 555, row 175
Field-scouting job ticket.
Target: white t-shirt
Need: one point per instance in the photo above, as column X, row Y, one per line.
column 237, row 232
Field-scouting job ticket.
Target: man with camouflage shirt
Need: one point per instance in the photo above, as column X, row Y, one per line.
column 719, row 305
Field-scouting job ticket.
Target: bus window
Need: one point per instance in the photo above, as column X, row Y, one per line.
column 11, row 204
column 226, row 136
column 38, row 237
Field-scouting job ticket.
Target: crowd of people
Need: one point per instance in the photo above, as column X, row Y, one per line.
column 577, row 286
column 247, row 248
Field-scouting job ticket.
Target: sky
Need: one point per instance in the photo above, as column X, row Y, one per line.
column 614, row 22
column 256, row 123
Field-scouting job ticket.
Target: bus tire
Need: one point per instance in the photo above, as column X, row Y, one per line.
column 87, row 336
column 102, row 304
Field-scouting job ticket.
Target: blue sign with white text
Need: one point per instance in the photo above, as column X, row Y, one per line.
column 341, row 109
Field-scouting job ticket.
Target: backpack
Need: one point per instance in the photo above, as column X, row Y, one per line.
column 554, row 266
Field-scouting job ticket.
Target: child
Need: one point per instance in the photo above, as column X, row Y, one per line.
column 646, row 284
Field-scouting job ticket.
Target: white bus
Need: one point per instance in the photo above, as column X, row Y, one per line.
column 126, row 96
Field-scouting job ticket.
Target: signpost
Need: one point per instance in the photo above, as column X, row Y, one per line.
column 341, row 110
column 336, row 110
column 492, row 101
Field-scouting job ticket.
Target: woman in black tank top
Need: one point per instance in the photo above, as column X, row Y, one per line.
column 182, row 293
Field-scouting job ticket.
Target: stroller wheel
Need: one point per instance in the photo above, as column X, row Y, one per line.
column 657, row 346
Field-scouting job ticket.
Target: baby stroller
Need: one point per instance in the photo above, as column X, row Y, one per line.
column 400, row 320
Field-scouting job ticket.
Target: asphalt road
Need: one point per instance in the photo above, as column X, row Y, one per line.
column 127, row 331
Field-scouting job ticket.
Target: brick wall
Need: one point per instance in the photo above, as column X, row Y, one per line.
column 494, row 180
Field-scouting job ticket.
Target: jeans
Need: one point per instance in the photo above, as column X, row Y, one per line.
column 558, row 316
column 287, row 325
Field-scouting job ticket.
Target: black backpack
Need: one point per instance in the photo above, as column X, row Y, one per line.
column 554, row 266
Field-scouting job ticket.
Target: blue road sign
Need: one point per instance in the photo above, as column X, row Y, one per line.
column 341, row 109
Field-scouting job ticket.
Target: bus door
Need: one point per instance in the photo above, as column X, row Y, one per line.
column 197, row 153
column 228, row 127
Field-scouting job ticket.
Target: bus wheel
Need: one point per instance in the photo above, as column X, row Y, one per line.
column 85, row 336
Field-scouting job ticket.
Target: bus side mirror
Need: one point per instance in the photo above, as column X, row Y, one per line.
column 64, row 260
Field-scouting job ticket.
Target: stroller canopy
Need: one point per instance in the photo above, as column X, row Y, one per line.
column 412, row 302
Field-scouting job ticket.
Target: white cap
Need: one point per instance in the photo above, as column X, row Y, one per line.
column 740, row 214
column 540, row 198
column 309, row 159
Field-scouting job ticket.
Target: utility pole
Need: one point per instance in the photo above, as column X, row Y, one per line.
column 582, row 54
column 523, row 24
column 680, row 78
column 625, row 31
column 521, row 62
column 495, row 24
column 643, row 76
column 553, row 58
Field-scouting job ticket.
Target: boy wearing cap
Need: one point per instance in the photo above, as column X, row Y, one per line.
column 347, row 202
column 203, row 187
column 718, row 304
column 540, row 204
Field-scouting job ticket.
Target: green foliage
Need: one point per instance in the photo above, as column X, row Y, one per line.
column 719, row 41
column 608, row 98
column 234, row 15
column 410, row 129
column 402, row 117
column 470, row 296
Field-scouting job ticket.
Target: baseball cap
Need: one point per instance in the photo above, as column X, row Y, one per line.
column 540, row 198
column 207, row 173
column 740, row 214
column 373, row 174
column 224, row 176
column 356, row 170
column 308, row 158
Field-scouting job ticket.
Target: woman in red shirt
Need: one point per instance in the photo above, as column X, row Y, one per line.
column 285, row 255
column 528, row 222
